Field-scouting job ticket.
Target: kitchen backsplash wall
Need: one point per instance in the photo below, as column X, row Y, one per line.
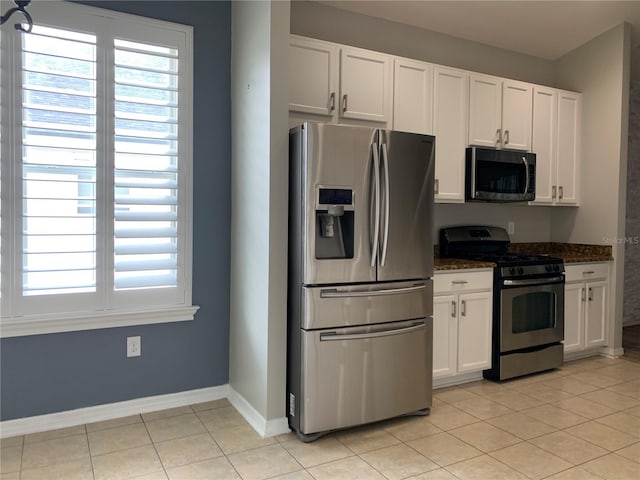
column 632, row 251
column 532, row 224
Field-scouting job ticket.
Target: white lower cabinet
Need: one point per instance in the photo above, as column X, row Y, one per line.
column 462, row 321
column 585, row 306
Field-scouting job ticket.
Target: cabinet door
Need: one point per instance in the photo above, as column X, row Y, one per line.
column 516, row 115
column 445, row 335
column 413, row 96
column 596, row 314
column 568, row 158
column 545, row 105
column 365, row 85
column 485, row 111
column 450, row 113
column 474, row 331
column 313, row 76
column 574, row 300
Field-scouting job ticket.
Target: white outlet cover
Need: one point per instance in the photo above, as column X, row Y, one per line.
column 133, row 347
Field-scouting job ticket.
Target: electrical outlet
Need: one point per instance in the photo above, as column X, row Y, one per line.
column 511, row 228
column 133, row 347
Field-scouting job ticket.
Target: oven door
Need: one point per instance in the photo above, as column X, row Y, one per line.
column 531, row 312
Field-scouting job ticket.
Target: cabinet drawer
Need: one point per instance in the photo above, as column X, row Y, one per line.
column 586, row 271
column 462, row 281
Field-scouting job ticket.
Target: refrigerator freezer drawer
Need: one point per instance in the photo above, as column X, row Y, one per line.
column 357, row 375
column 341, row 306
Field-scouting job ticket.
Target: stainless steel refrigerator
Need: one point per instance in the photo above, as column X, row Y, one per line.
column 360, row 299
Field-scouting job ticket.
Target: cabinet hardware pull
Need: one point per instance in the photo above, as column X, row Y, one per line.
column 588, row 272
column 437, row 186
column 561, row 192
column 344, row 102
column 453, row 308
column 332, row 102
column 553, row 192
column 459, row 282
column 583, row 294
column 499, row 134
column 463, row 308
column 506, row 137
column 590, row 294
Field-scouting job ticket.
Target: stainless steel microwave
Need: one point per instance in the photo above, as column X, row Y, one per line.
column 499, row 175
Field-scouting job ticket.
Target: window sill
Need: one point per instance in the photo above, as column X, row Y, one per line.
column 45, row 324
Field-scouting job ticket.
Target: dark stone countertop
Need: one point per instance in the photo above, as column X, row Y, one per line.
column 569, row 252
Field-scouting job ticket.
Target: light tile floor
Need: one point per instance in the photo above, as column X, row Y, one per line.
column 578, row 422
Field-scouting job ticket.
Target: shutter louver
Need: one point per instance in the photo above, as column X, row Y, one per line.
column 58, row 162
column 146, row 166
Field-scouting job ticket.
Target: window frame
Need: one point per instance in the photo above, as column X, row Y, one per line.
column 106, row 308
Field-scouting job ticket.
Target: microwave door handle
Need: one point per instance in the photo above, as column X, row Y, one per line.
column 526, row 170
column 376, row 205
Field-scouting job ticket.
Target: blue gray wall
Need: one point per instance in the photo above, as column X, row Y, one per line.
column 43, row 374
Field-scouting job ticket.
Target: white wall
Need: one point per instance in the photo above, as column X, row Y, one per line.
column 600, row 70
column 320, row 21
column 257, row 344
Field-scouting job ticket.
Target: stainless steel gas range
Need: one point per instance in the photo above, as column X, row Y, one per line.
column 528, row 300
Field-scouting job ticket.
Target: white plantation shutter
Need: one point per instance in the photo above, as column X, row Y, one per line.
column 146, row 160
column 58, row 162
column 96, row 171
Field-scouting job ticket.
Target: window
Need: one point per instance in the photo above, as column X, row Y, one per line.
column 96, row 171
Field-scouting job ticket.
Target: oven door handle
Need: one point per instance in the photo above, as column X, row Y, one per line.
column 535, row 281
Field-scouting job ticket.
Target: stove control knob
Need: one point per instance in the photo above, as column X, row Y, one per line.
column 520, row 270
column 556, row 268
column 512, row 271
column 548, row 268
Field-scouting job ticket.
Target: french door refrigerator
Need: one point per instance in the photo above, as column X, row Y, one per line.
column 360, row 294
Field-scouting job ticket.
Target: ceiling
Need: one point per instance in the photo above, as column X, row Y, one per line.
column 546, row 29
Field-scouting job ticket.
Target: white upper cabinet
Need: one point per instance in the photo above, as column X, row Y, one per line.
column 413, row 96
column 366, row 80
column 556, row 143
column 450, row 113
column 543, row 142
column 499, row 113
column 568, row 156
column 313, row 76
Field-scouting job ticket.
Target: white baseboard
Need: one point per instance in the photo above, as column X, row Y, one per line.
column 110, row 411
column 612, row 352
column 265, row 428
column 457, row 379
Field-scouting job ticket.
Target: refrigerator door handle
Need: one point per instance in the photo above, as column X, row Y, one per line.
column 376, row 206
column 334, row 336
column 385, row 238
column 335, row 293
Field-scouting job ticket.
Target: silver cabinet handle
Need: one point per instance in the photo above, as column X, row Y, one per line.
column 334, row 336
column 553, row 192
column 561, row 192
column 463, row 308
column 499, row 135
column 528, row 178
column 385, row 236
column 453, row 308
column 459, row 282
column 376, row 207
column 583, row 295
column 344, row 102
column 590, row 294
column 437, row 186
column 332, row 102
column 588, row 272
column 335, row 293
column 506, row 137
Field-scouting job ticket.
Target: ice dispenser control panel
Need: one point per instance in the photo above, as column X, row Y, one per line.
column 334, row 223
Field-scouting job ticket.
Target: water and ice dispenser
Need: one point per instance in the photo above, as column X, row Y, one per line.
column 334, row 223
